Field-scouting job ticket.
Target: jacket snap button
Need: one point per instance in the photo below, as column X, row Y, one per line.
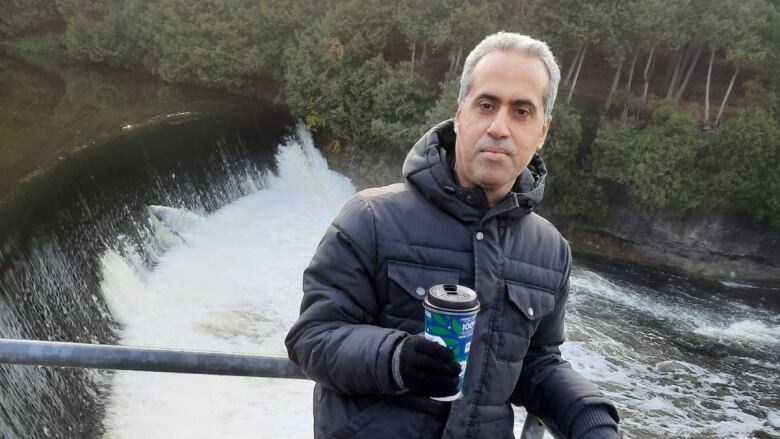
column 420, row 291
column 479, row 236
column 531, row 312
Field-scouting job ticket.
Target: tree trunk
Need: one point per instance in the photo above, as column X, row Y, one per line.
column 456, row 65
column 726, row 98
column 571, row 67
column 615, row 82
column 631, row 70
column 691, row 67
column 673, row 58
column 630, row 80
column 424, row 51
column 414, row 49
column 680, row 60
column 706, row 121
column 646, row 75
column 576, row 75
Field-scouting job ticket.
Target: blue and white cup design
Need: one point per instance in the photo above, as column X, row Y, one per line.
column 454, row 327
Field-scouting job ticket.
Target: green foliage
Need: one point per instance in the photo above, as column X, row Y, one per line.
column 736, row 27
column 664, row 159
column 570, row 189
column 658, row 163
column 337, row 75
column 100, row 33
column 210, row 44
column 561, row 149
column 36, row 45
column 400, row 101
column 612, row 150
column 460, row 28
column 747, row 152
column 447, row 103
column 19, row 16
column 215, row 43
column 413, row 18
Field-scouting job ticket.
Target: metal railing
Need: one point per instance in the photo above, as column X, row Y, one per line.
column 97, row 356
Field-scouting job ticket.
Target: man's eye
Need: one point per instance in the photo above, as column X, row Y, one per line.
column 523, row 112
column 485, row 106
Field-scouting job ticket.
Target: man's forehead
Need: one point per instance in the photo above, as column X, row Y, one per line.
column 510, row 75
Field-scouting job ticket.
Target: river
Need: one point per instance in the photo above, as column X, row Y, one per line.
column 189, row 226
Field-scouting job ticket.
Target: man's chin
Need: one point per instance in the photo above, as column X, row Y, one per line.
column 490, row 183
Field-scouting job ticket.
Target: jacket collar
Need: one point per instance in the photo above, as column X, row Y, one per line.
column 428, row 167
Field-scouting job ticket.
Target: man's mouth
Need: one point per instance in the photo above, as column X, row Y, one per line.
column 495, row 150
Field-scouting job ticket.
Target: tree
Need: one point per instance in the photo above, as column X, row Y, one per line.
column 618, row 38
column 746, row 48
column 612, row 150
column 570, row 190
column 101, row 31
column 336, row 76
column 733, row 27
column 655, row 162
column 664, row 161
column 447, row 103
column 746, row 152
column 413, row 18
column 564, row 21
column 461, row 30
column 19, row 16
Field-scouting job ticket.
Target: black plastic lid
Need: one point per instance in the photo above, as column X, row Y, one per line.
column 451, row 297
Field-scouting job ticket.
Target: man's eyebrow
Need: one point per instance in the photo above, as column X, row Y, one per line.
column 487, row 96
column 515, row 103
column 523, row 102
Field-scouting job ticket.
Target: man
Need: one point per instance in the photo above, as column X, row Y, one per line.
column 463, row 216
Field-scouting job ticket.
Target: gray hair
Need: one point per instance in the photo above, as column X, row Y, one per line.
column 521, row 43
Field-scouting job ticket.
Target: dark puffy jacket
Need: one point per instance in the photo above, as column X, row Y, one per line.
column 362, row 295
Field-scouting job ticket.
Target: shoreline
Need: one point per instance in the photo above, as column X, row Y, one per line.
column 741, row 270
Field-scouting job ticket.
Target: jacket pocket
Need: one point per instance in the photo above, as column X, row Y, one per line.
column 534, row 303
column 416, row 279
column 408, row 284
column 524, row 307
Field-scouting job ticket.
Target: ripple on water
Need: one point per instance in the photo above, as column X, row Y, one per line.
column 642, row 348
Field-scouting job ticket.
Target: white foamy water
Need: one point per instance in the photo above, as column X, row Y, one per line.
column 634, row 342
column 230, row 282
column 681, row 310
column 748, row 330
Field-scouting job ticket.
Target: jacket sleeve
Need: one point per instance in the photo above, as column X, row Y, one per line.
column 334, row 340
column 548, row 387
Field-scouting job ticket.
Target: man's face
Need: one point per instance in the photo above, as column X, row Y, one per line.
column 500, row 123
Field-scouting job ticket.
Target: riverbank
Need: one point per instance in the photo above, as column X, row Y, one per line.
column 727, row 269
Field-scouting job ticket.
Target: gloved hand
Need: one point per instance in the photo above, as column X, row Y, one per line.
column 427, row 368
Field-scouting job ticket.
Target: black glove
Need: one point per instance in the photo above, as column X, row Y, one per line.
column 427, row 368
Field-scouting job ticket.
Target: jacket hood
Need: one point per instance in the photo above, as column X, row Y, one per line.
column 427, row 167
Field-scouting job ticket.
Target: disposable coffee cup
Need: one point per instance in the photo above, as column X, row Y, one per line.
column 450, row 316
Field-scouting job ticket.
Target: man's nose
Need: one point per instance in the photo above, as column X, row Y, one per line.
column 499, row 126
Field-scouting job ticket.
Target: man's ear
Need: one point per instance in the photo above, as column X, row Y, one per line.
column 545, row 130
